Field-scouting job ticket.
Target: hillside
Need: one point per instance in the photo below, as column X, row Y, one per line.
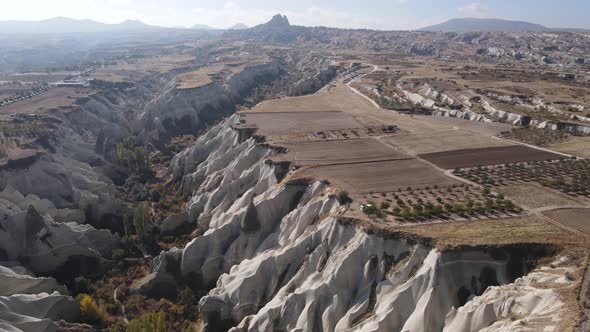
column 68, row 25
column 484, row 25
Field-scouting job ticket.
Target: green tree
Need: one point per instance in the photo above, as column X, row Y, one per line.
column 148, row 322
column 127, row 225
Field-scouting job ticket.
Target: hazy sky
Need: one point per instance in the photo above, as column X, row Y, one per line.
column 376, row 14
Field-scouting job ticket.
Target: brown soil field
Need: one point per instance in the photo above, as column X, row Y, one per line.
column 282, row 123
column 54, row 98
column 338, row 151
column 341, row 98
column 486, row 128
column 487, row 156
column 575, row 218
column 197, row 78
column 578, row 146
column 382, row 176
column 535, row 196
column 40, row 77
column 528, row 229
column 142, row 67
column 439, row 141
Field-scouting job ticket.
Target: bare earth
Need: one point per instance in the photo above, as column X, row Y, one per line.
column 487, row 156
column 577, row 146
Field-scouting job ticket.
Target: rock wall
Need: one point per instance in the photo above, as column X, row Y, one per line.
column 181, row 111
column 43, row 245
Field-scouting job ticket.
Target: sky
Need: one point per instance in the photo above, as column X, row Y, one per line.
column 372, row 14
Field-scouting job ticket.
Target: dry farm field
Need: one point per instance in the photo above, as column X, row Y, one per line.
column 575, row 218
column 383, row 176
column 487, row 156
column 61, row 98
column 339, row 151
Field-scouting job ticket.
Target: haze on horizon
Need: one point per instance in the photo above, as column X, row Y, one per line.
column 373, row 14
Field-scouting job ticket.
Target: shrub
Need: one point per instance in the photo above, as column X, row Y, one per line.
column 457, row 208
column 437, row 210
column 149, row 322
column 118, row 254
column 82, row 285
column 371, row 209
column 406, row 213
column 344, row 197
column 385, row 205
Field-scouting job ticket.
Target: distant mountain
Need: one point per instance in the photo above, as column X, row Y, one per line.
column 203, row 27
column 68, row 25
column 238, row 26
column 484, row 25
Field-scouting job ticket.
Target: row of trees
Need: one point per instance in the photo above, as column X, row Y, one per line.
column 142, row 222
column 411, row 210
column 134, row 158
column 148, row 322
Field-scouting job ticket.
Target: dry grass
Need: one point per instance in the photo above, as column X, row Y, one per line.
column 279, row 125
column 142, row 68
column 535, row 196
column 328, row 152
column 578, row 146
column 575, row 218
column 438, row 141
column 529, row 230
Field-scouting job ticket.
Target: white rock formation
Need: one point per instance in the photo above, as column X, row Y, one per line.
column 17, row 280
column 34, row 313
column 43, row 244
column 530, row 303
column 282, row 259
